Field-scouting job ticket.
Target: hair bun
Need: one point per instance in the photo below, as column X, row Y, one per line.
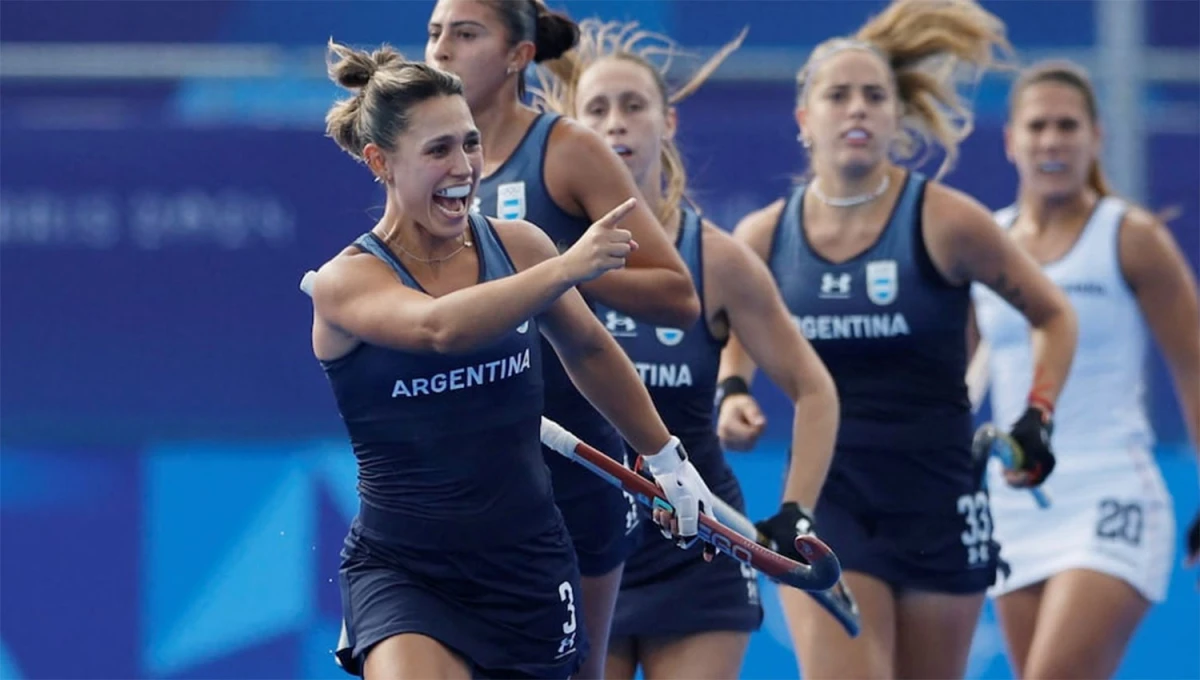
column 353, row 69
column 556, row 34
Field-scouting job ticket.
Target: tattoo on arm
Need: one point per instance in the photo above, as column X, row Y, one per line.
column 1009, row 291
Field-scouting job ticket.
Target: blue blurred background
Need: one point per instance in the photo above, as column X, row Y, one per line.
column 174, row 480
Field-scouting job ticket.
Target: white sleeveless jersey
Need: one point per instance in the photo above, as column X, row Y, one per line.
column 1100, row 410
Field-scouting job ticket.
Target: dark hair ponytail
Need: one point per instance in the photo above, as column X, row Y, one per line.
column 556, row 33
column 552, row 33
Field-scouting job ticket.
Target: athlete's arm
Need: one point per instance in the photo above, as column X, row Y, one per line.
column 740, row 421
column 593, row 359
column 966, row 245
column 604, row 375
column 740, row 284
column 360, row 295
column 1165, row 289
column 585, row 177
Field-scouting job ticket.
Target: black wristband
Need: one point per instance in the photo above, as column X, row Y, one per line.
column 728, row 387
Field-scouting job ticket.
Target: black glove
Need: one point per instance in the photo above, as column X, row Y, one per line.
column 1036, row 461
column 779, row 531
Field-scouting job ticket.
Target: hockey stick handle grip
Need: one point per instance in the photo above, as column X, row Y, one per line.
column 559, row 439
column 991, row 442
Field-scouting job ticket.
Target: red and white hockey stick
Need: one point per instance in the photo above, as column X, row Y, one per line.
column 821, row 573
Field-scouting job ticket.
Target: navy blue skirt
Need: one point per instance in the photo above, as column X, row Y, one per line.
column 511, row 612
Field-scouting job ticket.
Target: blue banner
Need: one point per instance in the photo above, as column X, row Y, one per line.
column 1060, row 23
column 151, row 275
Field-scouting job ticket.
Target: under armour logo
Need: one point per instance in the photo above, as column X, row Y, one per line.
column 804, row 526
column 619, row 324
column 835, row 285
column 977, row 554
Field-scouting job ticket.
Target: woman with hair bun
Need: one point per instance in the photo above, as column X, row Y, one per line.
column 458, row 563
column 561, row 176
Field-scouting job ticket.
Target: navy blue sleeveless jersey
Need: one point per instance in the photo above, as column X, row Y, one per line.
column 677, row 366
column 903, row 502
column 601, row 520
column 665, row 590
column 448, row 446
column 517, row 191
column 887, row 325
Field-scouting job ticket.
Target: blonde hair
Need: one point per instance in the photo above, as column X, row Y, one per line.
column 933, row 48
column 600, row 40
column 385, row 87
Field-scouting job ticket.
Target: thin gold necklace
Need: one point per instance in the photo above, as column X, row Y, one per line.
column 435, row 260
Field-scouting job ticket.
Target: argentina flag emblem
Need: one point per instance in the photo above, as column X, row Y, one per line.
column 510, row 201
column 883, row 282
column 669, row 336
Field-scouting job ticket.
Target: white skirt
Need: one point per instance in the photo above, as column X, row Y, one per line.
column 1109, row 512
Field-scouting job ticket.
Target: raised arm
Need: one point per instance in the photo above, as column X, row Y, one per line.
column 583, row 173
column 360, row 296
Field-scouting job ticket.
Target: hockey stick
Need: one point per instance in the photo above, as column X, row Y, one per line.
column 838, row 600
column 989, row 441
column 821, row 573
